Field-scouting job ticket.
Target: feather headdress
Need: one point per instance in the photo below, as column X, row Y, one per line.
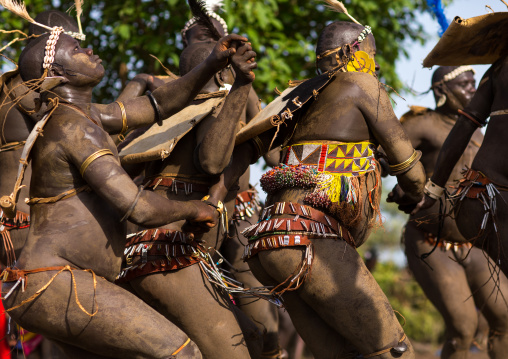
column 19, row 9
column 214, row 5
column 338, row 6
column 79, row 11
column 200, row 12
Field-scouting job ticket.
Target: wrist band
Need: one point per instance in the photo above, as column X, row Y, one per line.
column 471, row 118
column 121, row 136
column 433, row 190
column 223, row 213
column 93, row 157
column 131, row 208
column 258, row 144
column 155, row 105
column 406, row 165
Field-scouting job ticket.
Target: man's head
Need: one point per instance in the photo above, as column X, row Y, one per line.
column 338, row 34
column 80, row 67
column 199, row 33
column 195, row 54
column 453, row 87
column 53, row 18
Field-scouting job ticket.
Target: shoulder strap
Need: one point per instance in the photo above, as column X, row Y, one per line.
column 8, row 203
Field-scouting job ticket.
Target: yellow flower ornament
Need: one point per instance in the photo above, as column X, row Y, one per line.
column 362, row 62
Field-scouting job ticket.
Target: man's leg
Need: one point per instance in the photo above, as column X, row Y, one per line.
column 261, row 312
column 342, row 292
column 445, row 284
column 124, row 326
column 491, row 298
column 187, row 299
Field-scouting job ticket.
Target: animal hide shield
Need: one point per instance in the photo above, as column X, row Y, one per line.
column 159, row 141
column 283, row 107
column 478, row 40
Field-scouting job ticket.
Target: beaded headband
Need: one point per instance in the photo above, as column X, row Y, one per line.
column 19, row 8
column 454, row 74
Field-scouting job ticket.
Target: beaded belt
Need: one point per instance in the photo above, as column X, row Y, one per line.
column 20, row 221
column 158, row 250
column 175, row 184
column 307, row 223
column 446, row 245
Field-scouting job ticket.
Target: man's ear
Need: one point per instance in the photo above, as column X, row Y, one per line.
column 56, row 71
column 438, row 90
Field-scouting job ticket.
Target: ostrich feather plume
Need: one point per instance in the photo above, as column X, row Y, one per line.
column 199, row 11
column 214, row 5
column 79, row 11
column 338, row 6
column 19, row 9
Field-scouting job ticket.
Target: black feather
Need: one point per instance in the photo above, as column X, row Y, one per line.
column 198, row 9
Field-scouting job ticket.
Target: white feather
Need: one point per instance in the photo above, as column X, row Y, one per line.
column 338, row 6
column 214, row 5
column 19, row 9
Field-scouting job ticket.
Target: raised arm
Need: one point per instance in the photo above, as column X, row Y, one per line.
column 172, row 97
column 473, row 116
column 375, row 105
column 217, row 137
column 107, row 178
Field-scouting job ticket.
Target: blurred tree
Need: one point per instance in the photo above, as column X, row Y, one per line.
column 283, row 32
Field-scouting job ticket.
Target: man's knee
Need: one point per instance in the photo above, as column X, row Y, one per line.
column 462, row 334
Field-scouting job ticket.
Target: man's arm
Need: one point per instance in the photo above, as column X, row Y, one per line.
column 107, row 178
column 376, row 107
column 216, row 138
column 172, row 96
column 456, row 143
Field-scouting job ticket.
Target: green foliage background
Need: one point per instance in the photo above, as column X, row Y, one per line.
column 283, row 32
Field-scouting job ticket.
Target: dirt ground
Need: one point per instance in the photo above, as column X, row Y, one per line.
column 429, row 351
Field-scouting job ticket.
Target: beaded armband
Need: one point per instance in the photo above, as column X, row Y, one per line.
column 93, row 157
column 433, row 190
column 405, row 166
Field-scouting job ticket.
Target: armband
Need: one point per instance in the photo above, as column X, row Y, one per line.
column 156, row 108
column 433, row 190
column 405, row 166
column 472, row 118
column 93, row 157
column 121, row 136
column 258, row 145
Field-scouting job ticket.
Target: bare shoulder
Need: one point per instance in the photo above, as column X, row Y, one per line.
column 73, row 130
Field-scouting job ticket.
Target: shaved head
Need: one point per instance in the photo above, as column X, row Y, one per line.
column 53, row 18
column 337, row 34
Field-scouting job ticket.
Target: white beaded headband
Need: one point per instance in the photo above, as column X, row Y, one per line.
column 458, row 71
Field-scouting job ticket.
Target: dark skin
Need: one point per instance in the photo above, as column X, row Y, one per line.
column 261, row 311
column 17, row 126
column 214, row 315
column 85, row 231
column 339, row 308
column 489, row 160
column 448, row 281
